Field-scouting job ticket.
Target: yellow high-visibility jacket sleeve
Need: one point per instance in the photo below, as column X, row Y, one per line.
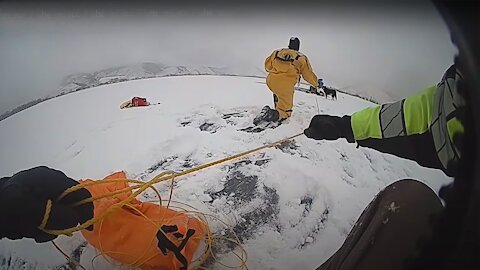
column 412, row 116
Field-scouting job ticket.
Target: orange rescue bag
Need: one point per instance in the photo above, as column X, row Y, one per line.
column 131, row 239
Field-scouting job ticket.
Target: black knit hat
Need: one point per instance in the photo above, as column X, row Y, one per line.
column 294, row 43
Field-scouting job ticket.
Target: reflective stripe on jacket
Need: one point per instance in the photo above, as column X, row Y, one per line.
column 434, row 111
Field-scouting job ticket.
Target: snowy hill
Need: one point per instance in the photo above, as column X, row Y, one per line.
column 140, row 71
column 292, row 206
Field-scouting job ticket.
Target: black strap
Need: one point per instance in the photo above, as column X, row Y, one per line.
column 165, row 245
column 288, row 59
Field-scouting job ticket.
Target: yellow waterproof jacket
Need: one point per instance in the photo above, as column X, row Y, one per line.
column 287, row 64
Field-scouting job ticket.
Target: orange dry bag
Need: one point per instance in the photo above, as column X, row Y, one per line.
column 130, row 237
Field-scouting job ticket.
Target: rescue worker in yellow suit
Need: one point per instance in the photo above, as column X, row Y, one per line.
column 284, row 67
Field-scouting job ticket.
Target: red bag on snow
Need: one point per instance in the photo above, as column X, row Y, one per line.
column 138, row 101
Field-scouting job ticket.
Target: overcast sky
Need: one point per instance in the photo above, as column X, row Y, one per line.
column 394, row 49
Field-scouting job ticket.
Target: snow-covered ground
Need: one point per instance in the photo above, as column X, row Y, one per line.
column 292, row 205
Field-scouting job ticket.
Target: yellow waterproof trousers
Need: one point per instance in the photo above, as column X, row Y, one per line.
column 282, row 87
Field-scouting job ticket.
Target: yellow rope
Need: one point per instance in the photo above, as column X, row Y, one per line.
column 141, row 187
column 48, row 209
column 157, row 179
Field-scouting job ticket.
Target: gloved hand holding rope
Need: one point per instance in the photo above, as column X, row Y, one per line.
column 31, row 191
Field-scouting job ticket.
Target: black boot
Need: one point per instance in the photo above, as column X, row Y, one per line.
column 263, row 114
column 266, row 115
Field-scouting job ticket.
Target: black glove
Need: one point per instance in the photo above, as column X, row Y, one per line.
column 23, row 198
column 327, row 127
